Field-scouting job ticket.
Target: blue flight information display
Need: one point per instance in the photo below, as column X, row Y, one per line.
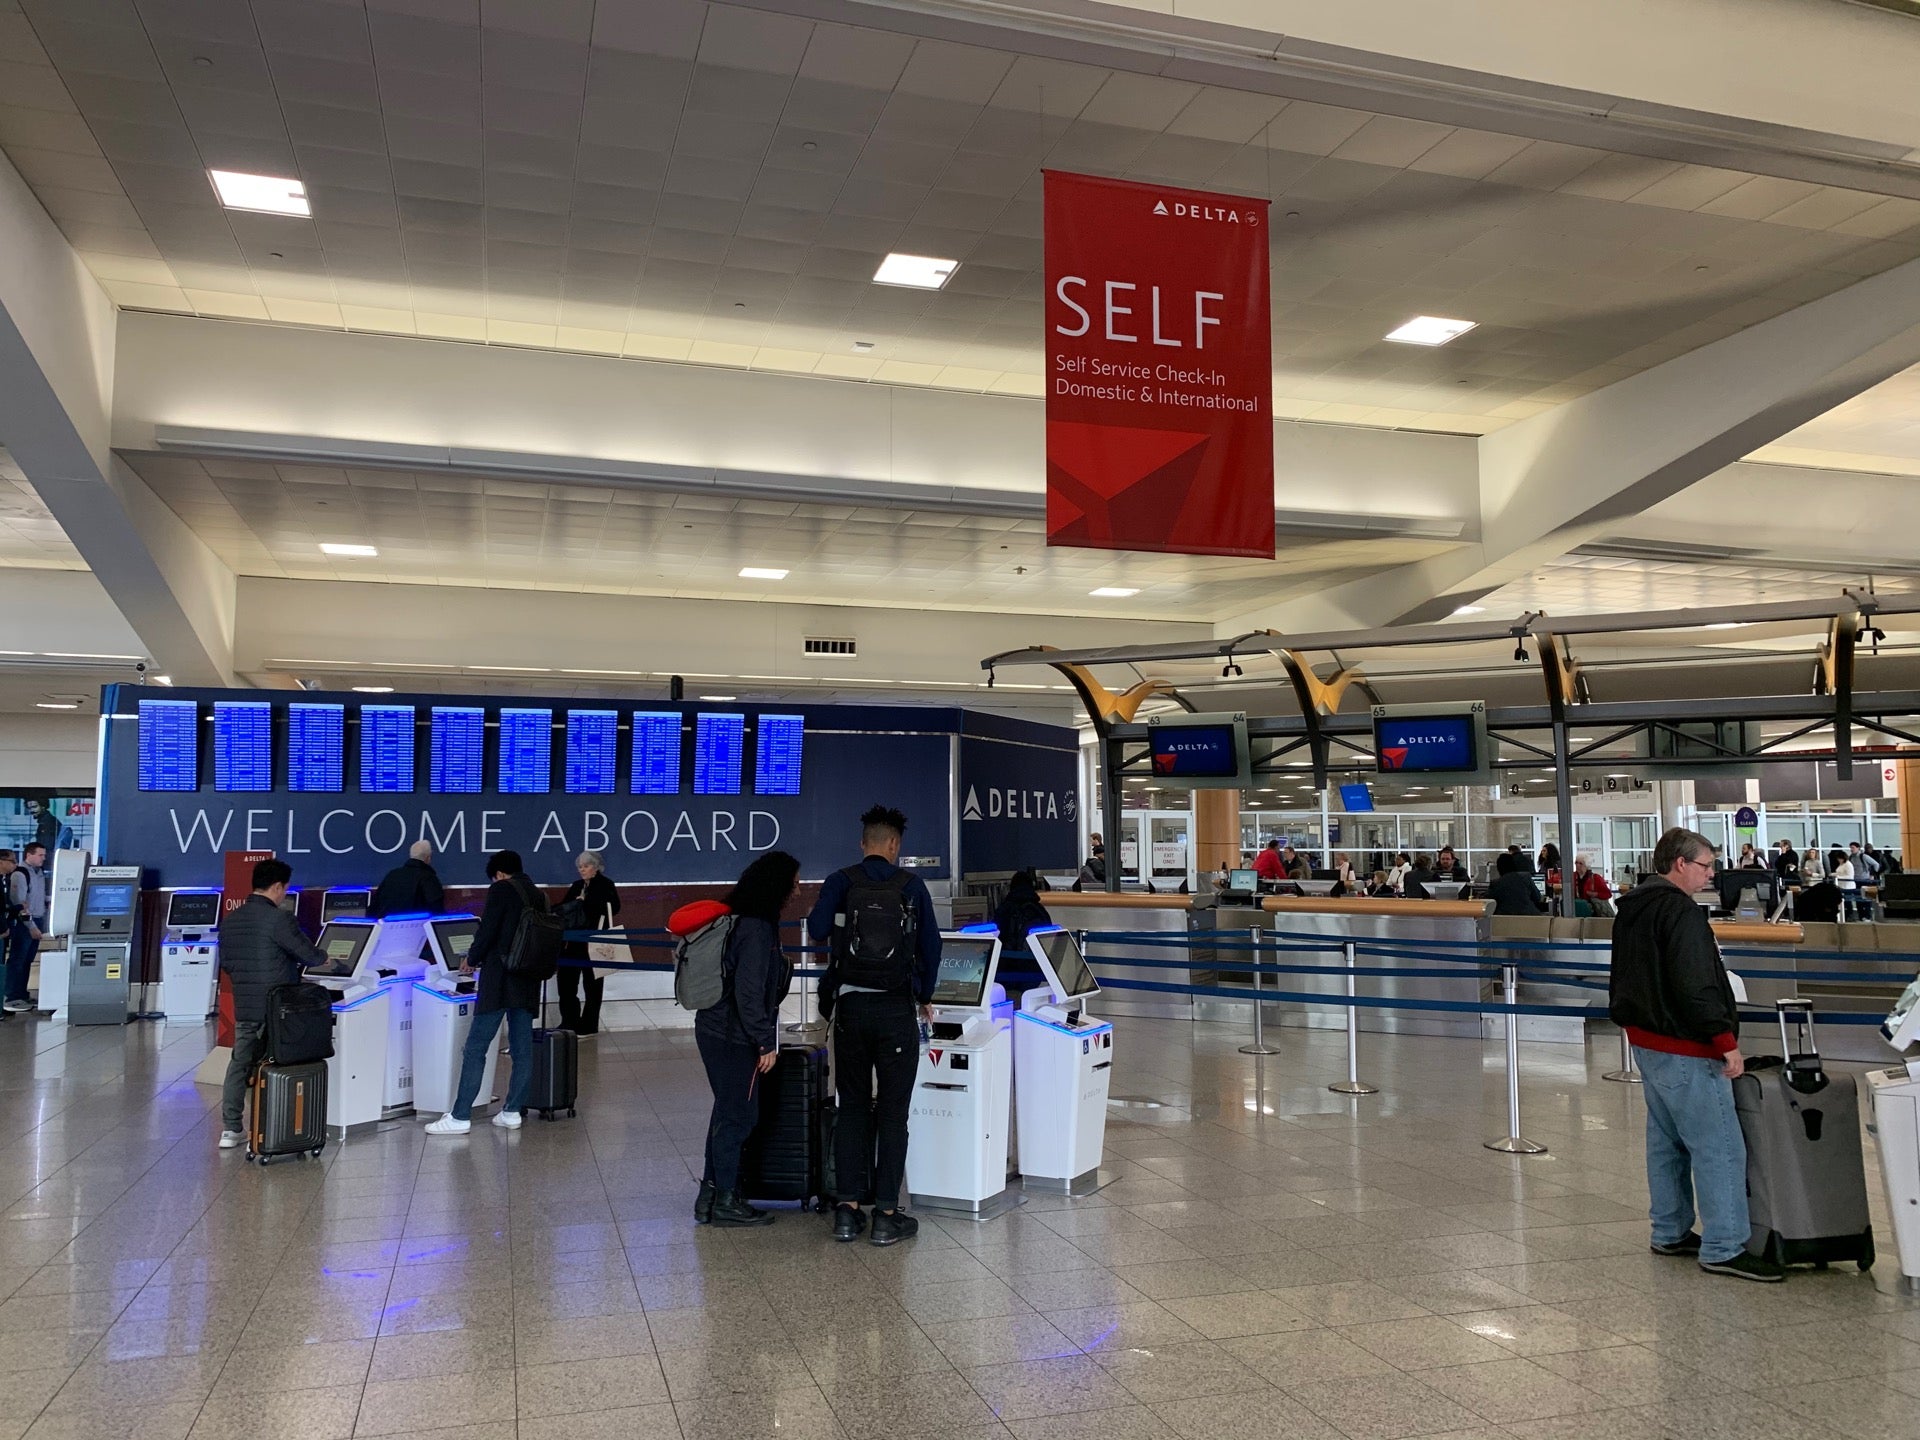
column 591, row 735
column 456, row 749
column 316, row 749
column 776, row 754
column 719, row 748
column 656, row 752
column 386, row 749
column 526, row 752
column 242, row 745
column 169, row 745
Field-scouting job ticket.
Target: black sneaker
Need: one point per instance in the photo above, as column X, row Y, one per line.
column 703, row 1204
column 892, row 1226
column 1687, row 1244
column 1746, row 1267
column 730, row 1209
column 848, row 1222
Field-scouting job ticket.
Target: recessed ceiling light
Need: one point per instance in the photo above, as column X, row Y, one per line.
column 373, row 689
column 921, row 272
column 59, row 704
column 262, row 194
column 1430, row 330
column 862, row 347
column 756, row 572
column 162, row 679
column 1470, row 610
column 719, row 699
column 1728, row 625
column 359, row 551
column 1113, row 592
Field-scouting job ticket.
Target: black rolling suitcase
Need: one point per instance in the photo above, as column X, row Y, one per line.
column 1806, row 1177
column 289, row 1111
column 556, row 1073
column 299, row 1024
column 786, row 1156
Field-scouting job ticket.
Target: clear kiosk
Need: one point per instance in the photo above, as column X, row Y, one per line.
column 1896, row 1114
column 68, row 879
column 1063, row 1059
column 190, row 957
column 962, row 1097
column 443, row 1008
column 100, row 977
column 372, row 964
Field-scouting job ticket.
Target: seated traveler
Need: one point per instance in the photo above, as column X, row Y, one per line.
column 1513, row 890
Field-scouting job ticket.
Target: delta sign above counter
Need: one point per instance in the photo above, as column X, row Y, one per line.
column 340, row 785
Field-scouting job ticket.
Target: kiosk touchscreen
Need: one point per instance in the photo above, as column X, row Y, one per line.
column 189, row 956
column 344, row 945
column 344, row 904
column 1064, row 1060
column 101, row 972
column 449, row 938
column 1896, row 1113
column 962, row 1113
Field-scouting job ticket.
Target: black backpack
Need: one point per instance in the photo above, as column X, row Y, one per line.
column 538, row 938
column 873, row 933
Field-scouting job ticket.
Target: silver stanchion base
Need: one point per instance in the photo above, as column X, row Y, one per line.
column 1625, row 1077
column 1262, row 1048
column 1515, row 1145
column 1353, row 1087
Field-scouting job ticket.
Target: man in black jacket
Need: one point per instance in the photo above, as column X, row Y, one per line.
column 1670, row 993
column 261, row 946
column 499, row 996
column 1513, row 891
column 410, row 888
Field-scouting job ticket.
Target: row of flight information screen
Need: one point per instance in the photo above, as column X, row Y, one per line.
column 316, row 749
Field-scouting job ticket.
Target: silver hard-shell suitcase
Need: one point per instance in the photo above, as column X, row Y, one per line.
column 1806, row 1177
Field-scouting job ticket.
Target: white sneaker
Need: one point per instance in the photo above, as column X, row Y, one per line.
column 231, row 1139
column 19, row 1007
column 507, row 1119
column 447, row 1125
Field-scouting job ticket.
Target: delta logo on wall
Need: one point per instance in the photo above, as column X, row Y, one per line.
column 1159, row 369
column 1017, row 804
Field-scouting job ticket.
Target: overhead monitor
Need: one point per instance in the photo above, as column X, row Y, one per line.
column 719, row 749
column 452, row 937
column 316, row 748
column 169, row 745
column 242, row 745
column 1200, row 752
column 776, row 754
column 1902, row 1025
column 526, row 751
column 1245, row 881
column 193, row 909
column 656, row 752
column 591, row 737
column 343, row 943
column 1356, row 799
column 344, row 904
column 1442, row 740
column 1062, row 963
column 456, row 750
column 967, row 963
column 386, row 749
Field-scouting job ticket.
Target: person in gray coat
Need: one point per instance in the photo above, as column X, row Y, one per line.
column 261, row 946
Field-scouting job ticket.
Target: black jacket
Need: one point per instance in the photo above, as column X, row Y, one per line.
column 262, row 946
column 1514, row 894
column 1786, row 864
column 1667, row 976
column 758, row 979
column 408, row 889
column 498, row 921
column 599, row 896
column 1018, row 914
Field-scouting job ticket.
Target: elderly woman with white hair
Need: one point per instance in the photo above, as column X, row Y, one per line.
column 602, row 900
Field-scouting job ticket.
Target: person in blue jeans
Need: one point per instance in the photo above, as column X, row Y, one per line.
column 501, row 997
column 1669, row 991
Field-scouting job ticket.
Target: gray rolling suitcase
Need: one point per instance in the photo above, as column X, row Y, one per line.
column 1806, row 1177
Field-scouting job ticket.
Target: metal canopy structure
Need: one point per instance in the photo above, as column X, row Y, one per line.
column 1529, row 737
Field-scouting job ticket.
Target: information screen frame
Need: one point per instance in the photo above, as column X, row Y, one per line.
column 193, row 910
column 708, row 728
column 525, row 750
column 657, row 735
column 175, row 723
column 1166, row 732
column 456, row 748
column 1455, row 735
column 595, row 771
column 242, row 747
column 331, row 762
column 376, row 722
column 779, row 753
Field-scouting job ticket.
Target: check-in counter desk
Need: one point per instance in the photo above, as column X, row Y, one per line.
column 1832, row 984
column 1173, row 915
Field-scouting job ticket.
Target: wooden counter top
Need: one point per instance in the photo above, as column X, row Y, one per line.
column 1751, row 932
column 1100, row 899
column 1362, row 905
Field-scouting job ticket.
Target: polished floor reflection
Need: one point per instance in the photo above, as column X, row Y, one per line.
column 1269, row 1261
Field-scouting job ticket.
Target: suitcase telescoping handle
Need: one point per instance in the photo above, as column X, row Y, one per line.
column 1802, row 1012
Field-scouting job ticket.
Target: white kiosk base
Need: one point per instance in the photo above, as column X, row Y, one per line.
column 1896, row 1123
column 961, row 1119
column 1063, row 1058
column 441, row 1020
column 189, row 976
column 357, row 1073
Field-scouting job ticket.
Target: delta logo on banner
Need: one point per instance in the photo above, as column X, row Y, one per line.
column 1159, row 369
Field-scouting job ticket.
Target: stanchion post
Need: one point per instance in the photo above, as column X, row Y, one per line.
column 1353, row 1084
column 1259, row 1045
column 1513, row 1143
column 1628, row 1073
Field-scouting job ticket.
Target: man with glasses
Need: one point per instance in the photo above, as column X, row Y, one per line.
column 1669, row 992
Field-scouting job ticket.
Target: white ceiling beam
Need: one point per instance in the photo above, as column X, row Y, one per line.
column 57, row 357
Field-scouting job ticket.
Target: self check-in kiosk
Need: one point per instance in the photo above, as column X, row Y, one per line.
column 101, row 973
column 962, row 1098
column 190, row 956
column 372, row 964
column 68, row 879
column 1896, row 1115
column 1064, row 1060
column 443, row 1009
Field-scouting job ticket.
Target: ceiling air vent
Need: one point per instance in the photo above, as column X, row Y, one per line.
column 830, row 645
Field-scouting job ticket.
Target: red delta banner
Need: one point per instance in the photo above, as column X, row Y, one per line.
column 1159, row 369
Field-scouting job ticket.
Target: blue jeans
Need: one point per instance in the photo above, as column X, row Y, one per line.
column 1691, row 1126
column 473, row 1059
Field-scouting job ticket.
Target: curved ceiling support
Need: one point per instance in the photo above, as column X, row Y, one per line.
column 1309, row 689
column 1566, row 682
column 1836, row 676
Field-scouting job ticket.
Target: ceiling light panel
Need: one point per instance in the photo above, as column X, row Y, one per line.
column 917, row 272
column 1430, row 330
column 260, row 194
column 359, row 552
column 758, row 572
